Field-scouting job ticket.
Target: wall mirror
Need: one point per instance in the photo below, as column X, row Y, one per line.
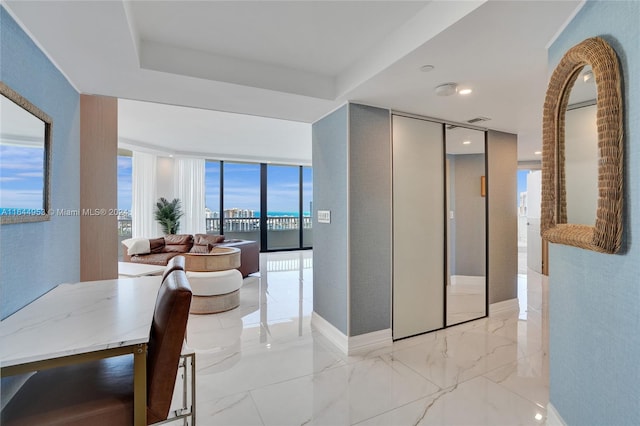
column 581, row 150
column 466, row 266
column 25, row 157
column 603, row 233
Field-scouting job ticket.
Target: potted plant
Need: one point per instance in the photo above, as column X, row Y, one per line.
column 169, row 214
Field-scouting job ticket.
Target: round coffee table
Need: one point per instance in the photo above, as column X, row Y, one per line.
column 218, row 259
column 215, row 281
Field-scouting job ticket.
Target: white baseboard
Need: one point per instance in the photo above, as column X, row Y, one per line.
column 553, row 417
column 329, row 331
column 370, row 341
column 351, row 345
column 504, row 306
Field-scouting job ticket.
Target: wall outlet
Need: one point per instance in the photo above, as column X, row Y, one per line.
column 324, row 216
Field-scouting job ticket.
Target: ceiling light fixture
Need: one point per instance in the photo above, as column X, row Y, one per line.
column 446, row 89
column 427, row 68
column 466, row 143
column 478, row 119
column 538, row 153
column 587, row 76
column 465, row 91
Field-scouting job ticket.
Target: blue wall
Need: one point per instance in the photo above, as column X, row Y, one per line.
column 34, row 257
column 352, row 254
column 330, row 192
column 595, row 298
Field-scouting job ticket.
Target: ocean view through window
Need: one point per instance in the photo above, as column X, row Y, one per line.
column 234, row 194
column 237, row 190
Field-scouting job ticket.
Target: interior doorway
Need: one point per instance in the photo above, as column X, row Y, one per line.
column 529, row 240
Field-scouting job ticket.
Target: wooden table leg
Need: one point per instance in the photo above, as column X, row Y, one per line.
column 140, row 385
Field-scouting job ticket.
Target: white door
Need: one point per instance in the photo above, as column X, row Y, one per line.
column 534, row 241
column 418, row 227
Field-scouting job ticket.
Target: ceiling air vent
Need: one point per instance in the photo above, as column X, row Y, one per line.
column 478, row 119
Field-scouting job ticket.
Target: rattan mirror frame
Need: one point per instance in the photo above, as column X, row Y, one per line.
column 606, row 235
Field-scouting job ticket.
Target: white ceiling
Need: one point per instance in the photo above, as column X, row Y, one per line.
column 299, row 60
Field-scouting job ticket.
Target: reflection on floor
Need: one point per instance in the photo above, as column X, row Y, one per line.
column 262, row 364
column 465, row 298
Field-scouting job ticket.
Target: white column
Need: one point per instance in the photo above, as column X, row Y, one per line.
column 143, row 223
column 189, row 188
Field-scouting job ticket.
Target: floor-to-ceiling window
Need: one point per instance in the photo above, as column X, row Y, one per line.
column 124, row 197
column 241, row 200
column 267, row 203
column 307, row 207
column 212, row 196
column 283, row 207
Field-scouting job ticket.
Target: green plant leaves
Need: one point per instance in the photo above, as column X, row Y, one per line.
column 168, row 214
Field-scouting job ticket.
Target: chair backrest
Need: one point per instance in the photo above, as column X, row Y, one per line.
column 165, row 343
column 175, row 263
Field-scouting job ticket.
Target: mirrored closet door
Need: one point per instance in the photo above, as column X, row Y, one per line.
column 466, row 222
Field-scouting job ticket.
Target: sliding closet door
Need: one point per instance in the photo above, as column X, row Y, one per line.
column 418, row 226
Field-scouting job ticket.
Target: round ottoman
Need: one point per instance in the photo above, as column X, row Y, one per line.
column 214, row 292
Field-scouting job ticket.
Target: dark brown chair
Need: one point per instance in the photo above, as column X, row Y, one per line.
column 174, row 264
column 101, row 392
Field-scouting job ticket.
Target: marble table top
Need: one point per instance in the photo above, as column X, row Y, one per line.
column 80, row 318
column 129, row 269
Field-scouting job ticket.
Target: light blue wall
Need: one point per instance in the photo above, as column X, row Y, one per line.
column 352, row 255
column 330, row 192
column 595, row 298
column 34, row 257
column 369, row 219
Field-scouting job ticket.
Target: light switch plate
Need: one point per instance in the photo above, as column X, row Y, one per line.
column 324, row 216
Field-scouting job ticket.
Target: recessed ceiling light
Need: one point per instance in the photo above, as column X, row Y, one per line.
column 466, row 143
column 538, row 153
column 446, row 89
column 427, row 68
column 465, row 91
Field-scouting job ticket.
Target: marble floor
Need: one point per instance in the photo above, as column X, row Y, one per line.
column 262, row 364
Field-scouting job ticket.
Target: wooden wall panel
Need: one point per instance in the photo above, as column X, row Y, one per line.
column 98, row 187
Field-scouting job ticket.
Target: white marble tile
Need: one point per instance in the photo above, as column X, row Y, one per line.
column 342, row 395
column 527, row 377
column 476, row 402
column 233, row 410
column 452, row 359
column 263, row 364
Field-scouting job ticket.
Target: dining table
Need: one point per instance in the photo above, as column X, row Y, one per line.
column 83, row 321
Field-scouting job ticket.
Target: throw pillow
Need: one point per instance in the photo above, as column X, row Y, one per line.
column 208, row 239
column 137, row 246
column 200, row 248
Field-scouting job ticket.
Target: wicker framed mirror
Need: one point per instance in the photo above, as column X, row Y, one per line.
column 605, row 236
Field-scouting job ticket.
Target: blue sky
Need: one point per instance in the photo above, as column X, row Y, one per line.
column 242, row 186
column 21, row 177
column 522, row 182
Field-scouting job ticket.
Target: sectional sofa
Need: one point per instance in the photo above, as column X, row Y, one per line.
column 160, row 250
